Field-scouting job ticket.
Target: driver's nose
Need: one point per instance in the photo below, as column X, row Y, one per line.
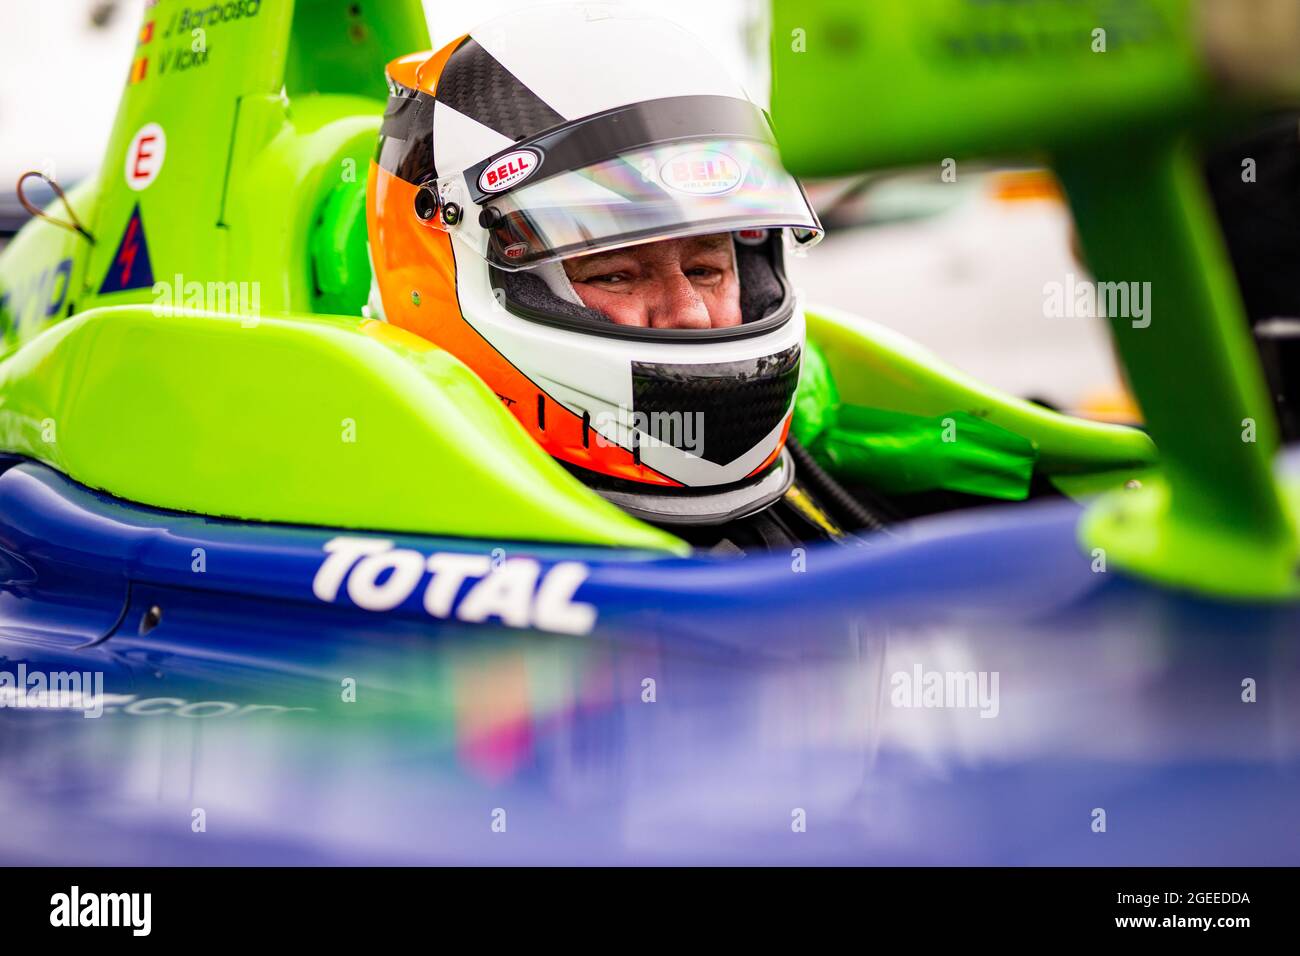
column 677, row 305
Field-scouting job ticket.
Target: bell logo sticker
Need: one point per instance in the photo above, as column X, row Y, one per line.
column 510, row 170
column 701, row 172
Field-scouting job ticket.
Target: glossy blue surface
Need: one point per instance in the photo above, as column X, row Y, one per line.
column 775, row 686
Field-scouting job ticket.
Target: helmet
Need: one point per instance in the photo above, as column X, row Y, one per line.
column 570, row 130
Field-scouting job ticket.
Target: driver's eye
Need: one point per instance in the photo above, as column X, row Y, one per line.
column 609, row 278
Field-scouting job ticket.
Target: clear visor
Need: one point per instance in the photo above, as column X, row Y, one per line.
column 643, row 195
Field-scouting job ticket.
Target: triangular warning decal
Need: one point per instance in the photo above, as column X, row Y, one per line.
column 131, row 268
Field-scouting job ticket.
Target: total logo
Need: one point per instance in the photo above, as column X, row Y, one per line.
column 379, row 577
column 510, row 170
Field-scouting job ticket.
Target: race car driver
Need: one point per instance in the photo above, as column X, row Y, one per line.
column 580, row 204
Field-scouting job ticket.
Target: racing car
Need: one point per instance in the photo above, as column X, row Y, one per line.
column 224, row 476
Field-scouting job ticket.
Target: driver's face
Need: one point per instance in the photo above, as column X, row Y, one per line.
column 686, row 283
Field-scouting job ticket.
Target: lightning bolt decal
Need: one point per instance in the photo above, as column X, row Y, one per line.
column 131, row 267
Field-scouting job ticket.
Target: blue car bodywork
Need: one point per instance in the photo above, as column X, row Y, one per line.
column 764, row 709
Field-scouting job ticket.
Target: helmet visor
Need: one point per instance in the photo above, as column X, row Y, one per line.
column 641, row 195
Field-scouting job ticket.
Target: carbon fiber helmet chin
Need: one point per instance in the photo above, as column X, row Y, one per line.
column 565, row 131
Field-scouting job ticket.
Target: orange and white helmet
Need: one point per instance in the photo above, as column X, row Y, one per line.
column 563, row 131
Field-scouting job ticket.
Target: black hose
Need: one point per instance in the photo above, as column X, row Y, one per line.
column 846, row 509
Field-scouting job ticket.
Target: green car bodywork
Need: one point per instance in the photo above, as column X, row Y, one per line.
column 287, row 405
column 1114, row 96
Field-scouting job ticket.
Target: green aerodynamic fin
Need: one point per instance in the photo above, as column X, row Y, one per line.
column 900, row 453
column 298, row 419
column 1112, row 94
column 875, row 407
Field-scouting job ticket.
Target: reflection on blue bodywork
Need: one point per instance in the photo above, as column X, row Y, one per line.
column 970, row 692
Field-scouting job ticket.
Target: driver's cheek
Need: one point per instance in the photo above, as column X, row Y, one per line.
column 723, row 302
column 621, row 308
